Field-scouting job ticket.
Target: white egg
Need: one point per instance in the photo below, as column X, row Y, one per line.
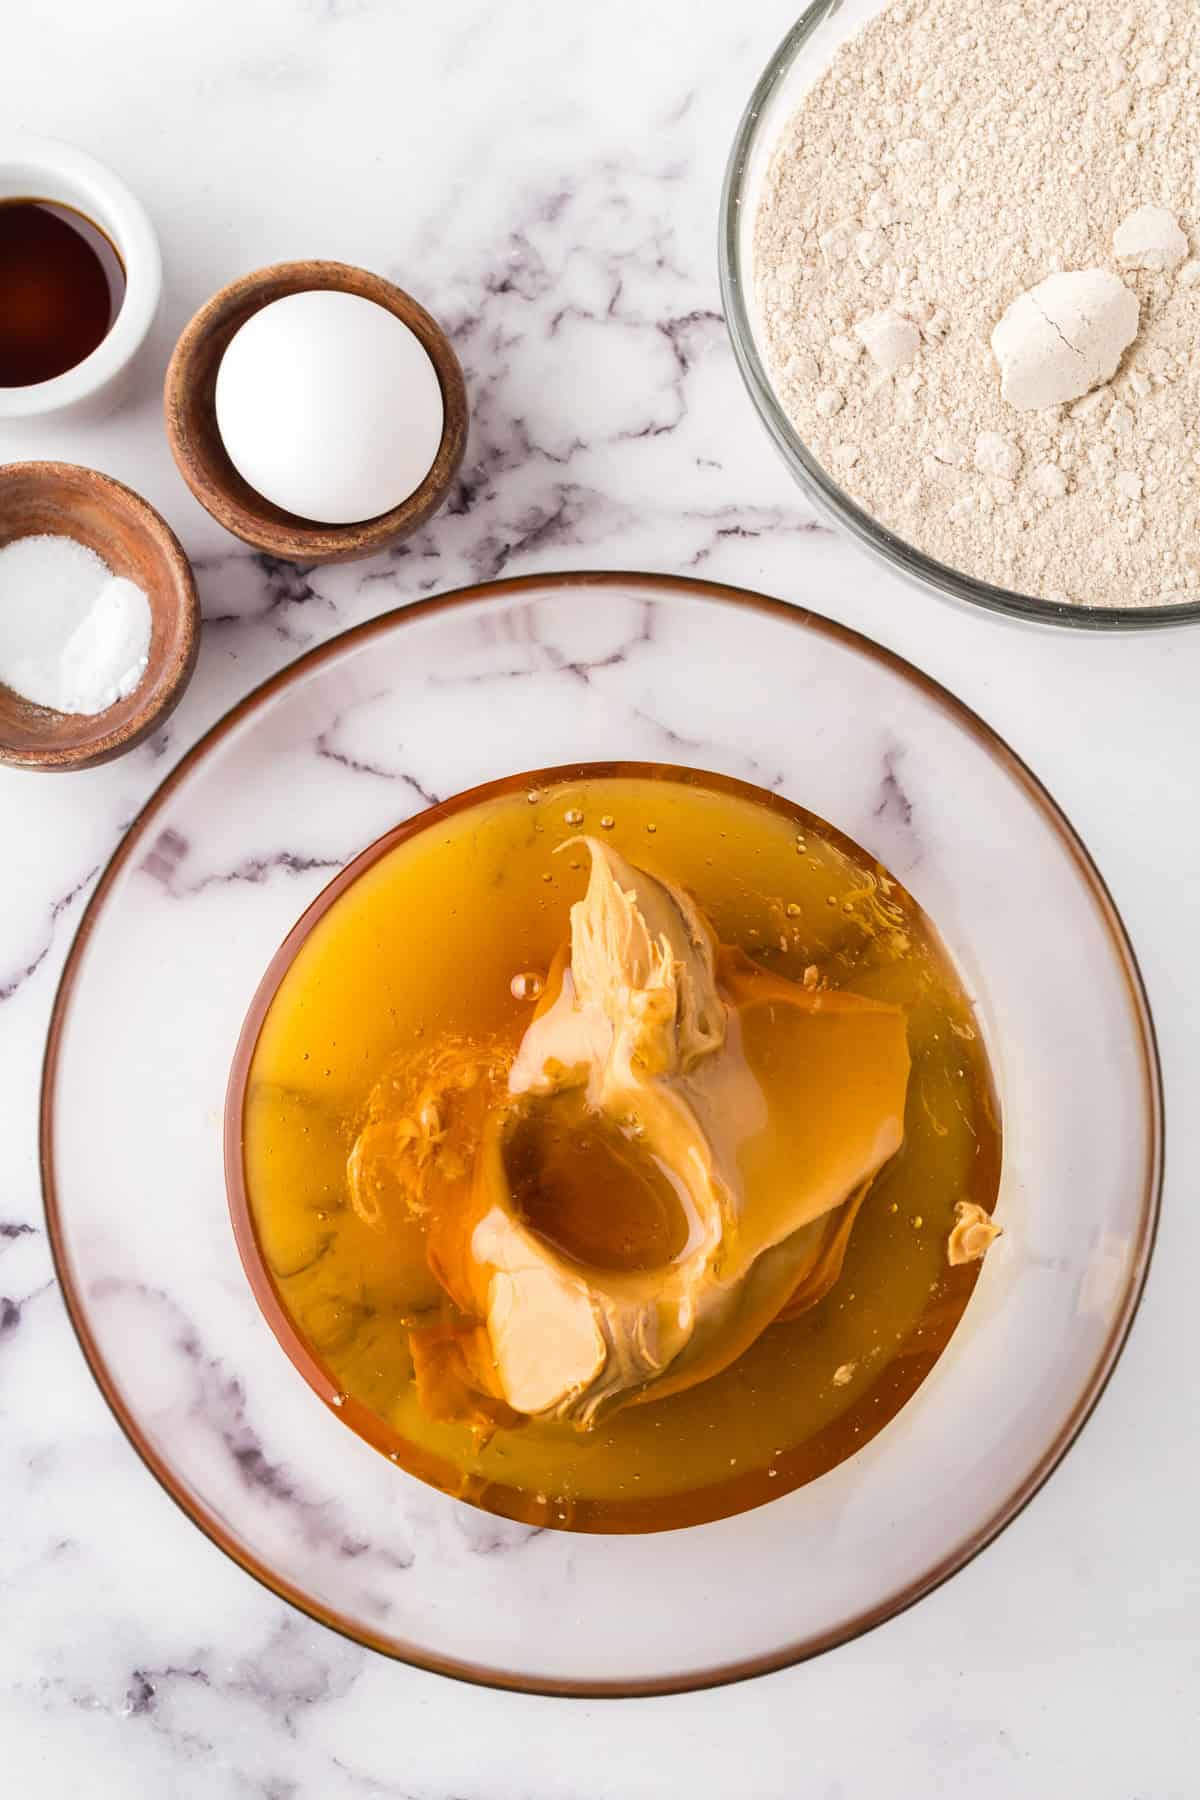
column 329, row 406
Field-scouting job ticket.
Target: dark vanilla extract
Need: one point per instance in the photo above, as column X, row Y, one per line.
column 61, row 287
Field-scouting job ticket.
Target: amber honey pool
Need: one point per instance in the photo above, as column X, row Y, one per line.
column 596, row 1142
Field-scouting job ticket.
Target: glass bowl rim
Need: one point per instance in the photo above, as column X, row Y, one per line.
column 830, row 500
column 579, row 585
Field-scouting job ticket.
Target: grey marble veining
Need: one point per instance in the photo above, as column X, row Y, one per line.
column 545, row 178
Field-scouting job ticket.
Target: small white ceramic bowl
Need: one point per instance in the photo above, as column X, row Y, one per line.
column 44, row 169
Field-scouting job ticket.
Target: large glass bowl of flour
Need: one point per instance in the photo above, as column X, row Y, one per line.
column 797, row 65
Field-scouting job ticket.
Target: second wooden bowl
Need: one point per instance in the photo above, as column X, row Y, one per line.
column 63, row 500
column 196, row 442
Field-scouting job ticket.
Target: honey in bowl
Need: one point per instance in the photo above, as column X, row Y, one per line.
column 595, row 1145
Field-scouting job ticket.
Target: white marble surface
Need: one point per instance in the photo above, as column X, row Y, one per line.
column 545, row 178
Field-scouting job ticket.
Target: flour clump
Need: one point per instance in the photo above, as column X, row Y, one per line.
column 1150, row 238
column 1064, row 337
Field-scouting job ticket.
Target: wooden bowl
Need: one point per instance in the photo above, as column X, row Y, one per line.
column 196, row 444
column 135, row 541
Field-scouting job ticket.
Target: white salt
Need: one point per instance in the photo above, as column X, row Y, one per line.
column 73, row 636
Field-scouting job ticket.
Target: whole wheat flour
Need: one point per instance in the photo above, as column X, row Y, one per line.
column 951, row 161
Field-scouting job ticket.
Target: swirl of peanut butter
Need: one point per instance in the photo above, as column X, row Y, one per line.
column 768, row 1108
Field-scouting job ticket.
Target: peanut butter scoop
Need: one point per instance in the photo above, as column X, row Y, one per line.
column 674, row 1159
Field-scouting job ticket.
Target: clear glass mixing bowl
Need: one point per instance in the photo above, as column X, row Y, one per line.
column 368, row 730
column 797, row 64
